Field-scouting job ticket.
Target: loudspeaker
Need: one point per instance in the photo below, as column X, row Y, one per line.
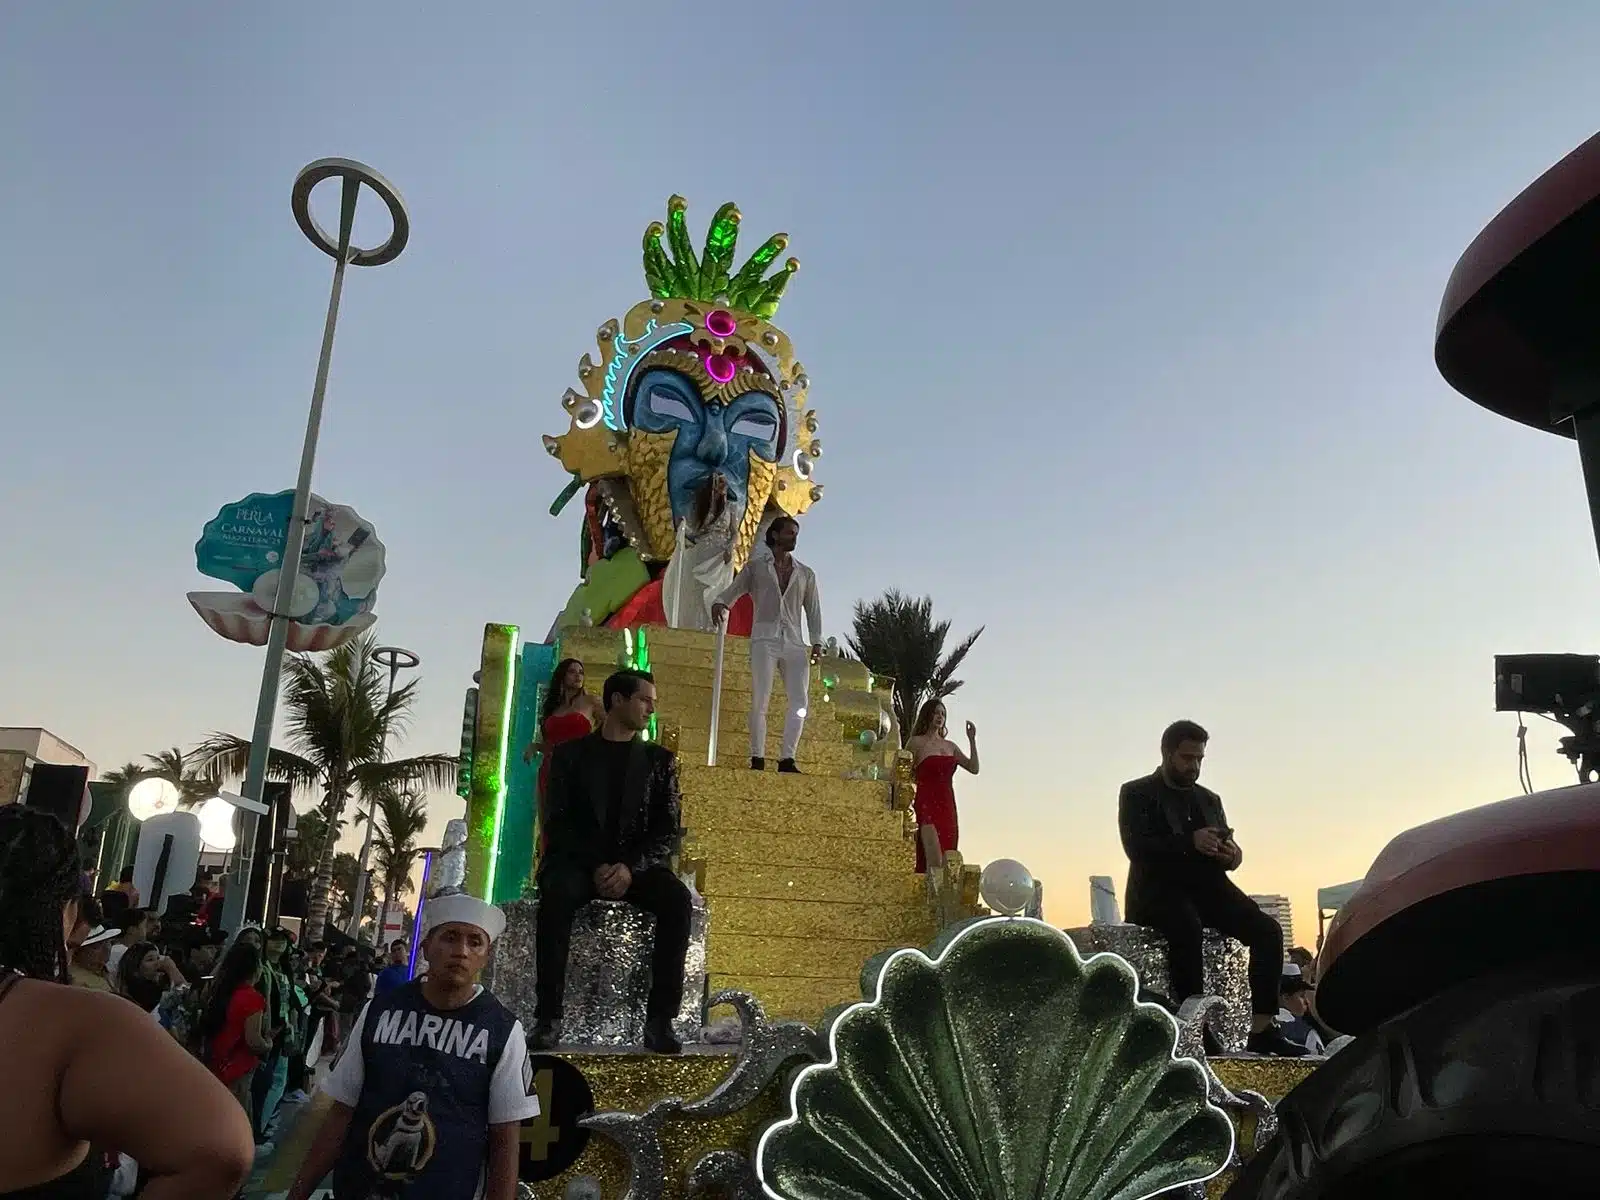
column 60, row 789
column 295, row 900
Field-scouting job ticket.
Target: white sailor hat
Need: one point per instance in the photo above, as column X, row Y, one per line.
column 461, row 909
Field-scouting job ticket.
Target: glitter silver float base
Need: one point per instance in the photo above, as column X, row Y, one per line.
column 608, row 973
column 1227, row 971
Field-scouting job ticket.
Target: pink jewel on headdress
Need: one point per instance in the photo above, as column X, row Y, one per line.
column 720, row 323
column 719, row 367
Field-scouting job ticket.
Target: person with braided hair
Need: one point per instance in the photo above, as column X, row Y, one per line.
column 69, row 1052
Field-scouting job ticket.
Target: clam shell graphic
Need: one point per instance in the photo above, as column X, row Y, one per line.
column 1007, row 1068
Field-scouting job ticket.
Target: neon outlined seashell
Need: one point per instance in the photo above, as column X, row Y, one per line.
column 1005, row 1067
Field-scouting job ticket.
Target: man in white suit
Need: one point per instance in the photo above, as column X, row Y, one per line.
column 783, row 590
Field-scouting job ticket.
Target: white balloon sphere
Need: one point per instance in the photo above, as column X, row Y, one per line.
column 1006, row 886
column 151, row 797
column 216, row 824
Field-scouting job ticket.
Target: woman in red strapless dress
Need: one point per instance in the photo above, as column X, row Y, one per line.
column 569, row 713
column 934, row 759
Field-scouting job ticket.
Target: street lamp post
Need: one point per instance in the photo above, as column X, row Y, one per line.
column 397, row 660
column 352, row 176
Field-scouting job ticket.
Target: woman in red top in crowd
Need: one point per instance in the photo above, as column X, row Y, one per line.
column 935, row 758
column 569, row 713
column 234, row 1024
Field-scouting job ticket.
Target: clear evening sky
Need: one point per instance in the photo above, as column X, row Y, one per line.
column 1119, row 321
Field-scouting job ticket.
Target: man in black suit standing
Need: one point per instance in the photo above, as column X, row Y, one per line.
column 1180, row 850
column 611, row 825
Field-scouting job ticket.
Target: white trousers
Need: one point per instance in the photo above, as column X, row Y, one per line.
column 793, row 663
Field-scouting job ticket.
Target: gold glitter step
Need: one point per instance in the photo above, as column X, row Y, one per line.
column 791, row 997
column 735, row 778
column 834, row 884
column 908, row 925
column 800, row 850
column 762, row 815
column 813, row 757
column 834, row 956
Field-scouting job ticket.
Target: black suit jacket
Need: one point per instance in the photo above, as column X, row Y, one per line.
column 1156, row 837
column 646, row 831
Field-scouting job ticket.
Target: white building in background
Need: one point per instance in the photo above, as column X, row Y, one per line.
column 1103, row 900
column 21, row 747
column 1277, row 907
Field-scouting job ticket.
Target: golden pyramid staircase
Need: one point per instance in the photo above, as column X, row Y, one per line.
column 805, row 876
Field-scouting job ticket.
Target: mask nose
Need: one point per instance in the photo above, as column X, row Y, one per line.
column 713, row 447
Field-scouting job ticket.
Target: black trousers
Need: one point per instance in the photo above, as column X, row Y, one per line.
column 565, row 887
column 1182, row 907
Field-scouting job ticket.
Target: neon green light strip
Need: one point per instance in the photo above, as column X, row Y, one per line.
column 487, row 793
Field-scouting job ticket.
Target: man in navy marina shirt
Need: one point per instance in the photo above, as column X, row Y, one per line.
column 432, row 1085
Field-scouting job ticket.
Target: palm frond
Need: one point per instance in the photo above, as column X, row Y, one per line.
column 432, row 771
column 125, row 774
column 897, row 637
column 226, row 757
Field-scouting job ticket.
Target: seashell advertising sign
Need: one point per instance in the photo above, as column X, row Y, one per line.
column 335, row 588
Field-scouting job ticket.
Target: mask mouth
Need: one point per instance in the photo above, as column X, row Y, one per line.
column 706, row 504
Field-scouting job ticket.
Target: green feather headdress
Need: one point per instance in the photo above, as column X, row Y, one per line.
column 707, row 279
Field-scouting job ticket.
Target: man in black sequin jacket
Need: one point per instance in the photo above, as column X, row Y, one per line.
column 611, row 812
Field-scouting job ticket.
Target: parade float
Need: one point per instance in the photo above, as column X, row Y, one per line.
column 855, row 1028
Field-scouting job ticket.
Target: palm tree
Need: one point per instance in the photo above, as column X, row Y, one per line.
column 338, row 720
column 896, row 636
column 342, row 888
column 402, row 816
column 178, row 768
column 125, row 775
column 305, row 852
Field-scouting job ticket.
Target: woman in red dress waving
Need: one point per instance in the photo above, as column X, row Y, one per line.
column 569, row 713
column 934, row 759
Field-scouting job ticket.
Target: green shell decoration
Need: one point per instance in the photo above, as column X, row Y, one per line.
column 1006, row 1068
column 710, row 278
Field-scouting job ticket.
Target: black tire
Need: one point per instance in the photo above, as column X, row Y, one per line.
column 1491, row 1089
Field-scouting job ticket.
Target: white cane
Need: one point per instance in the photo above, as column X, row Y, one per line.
column 675, row 600
column 716, row 692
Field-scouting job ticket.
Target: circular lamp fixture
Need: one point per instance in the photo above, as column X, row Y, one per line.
column 1006, row 886
column 152, row 797
column 216, row 824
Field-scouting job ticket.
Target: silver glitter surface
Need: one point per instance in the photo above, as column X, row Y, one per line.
column 639, row 1135
column 1193, row 1017
column 608, row 973
column 1227, row 972
column 450, row 869
column 726, row 1174
column 691, row 1016
column 764, row 1047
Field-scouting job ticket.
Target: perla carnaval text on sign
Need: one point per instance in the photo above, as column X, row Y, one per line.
column 445, row 1034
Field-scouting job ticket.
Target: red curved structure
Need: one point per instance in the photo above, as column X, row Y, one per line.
column 1519, row 311
column 1451, row 899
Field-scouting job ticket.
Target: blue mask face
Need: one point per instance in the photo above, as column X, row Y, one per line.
column 712, row 438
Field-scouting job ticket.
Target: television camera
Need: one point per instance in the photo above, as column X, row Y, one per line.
column 1564, row 687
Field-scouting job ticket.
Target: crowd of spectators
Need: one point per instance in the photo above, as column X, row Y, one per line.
column 256, row 1009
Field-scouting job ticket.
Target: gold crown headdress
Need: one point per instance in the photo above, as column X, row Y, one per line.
column 714, row 325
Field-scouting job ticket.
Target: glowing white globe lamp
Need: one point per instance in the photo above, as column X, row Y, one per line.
column 152, row 797
column 216, row 824
column 1006, row 886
